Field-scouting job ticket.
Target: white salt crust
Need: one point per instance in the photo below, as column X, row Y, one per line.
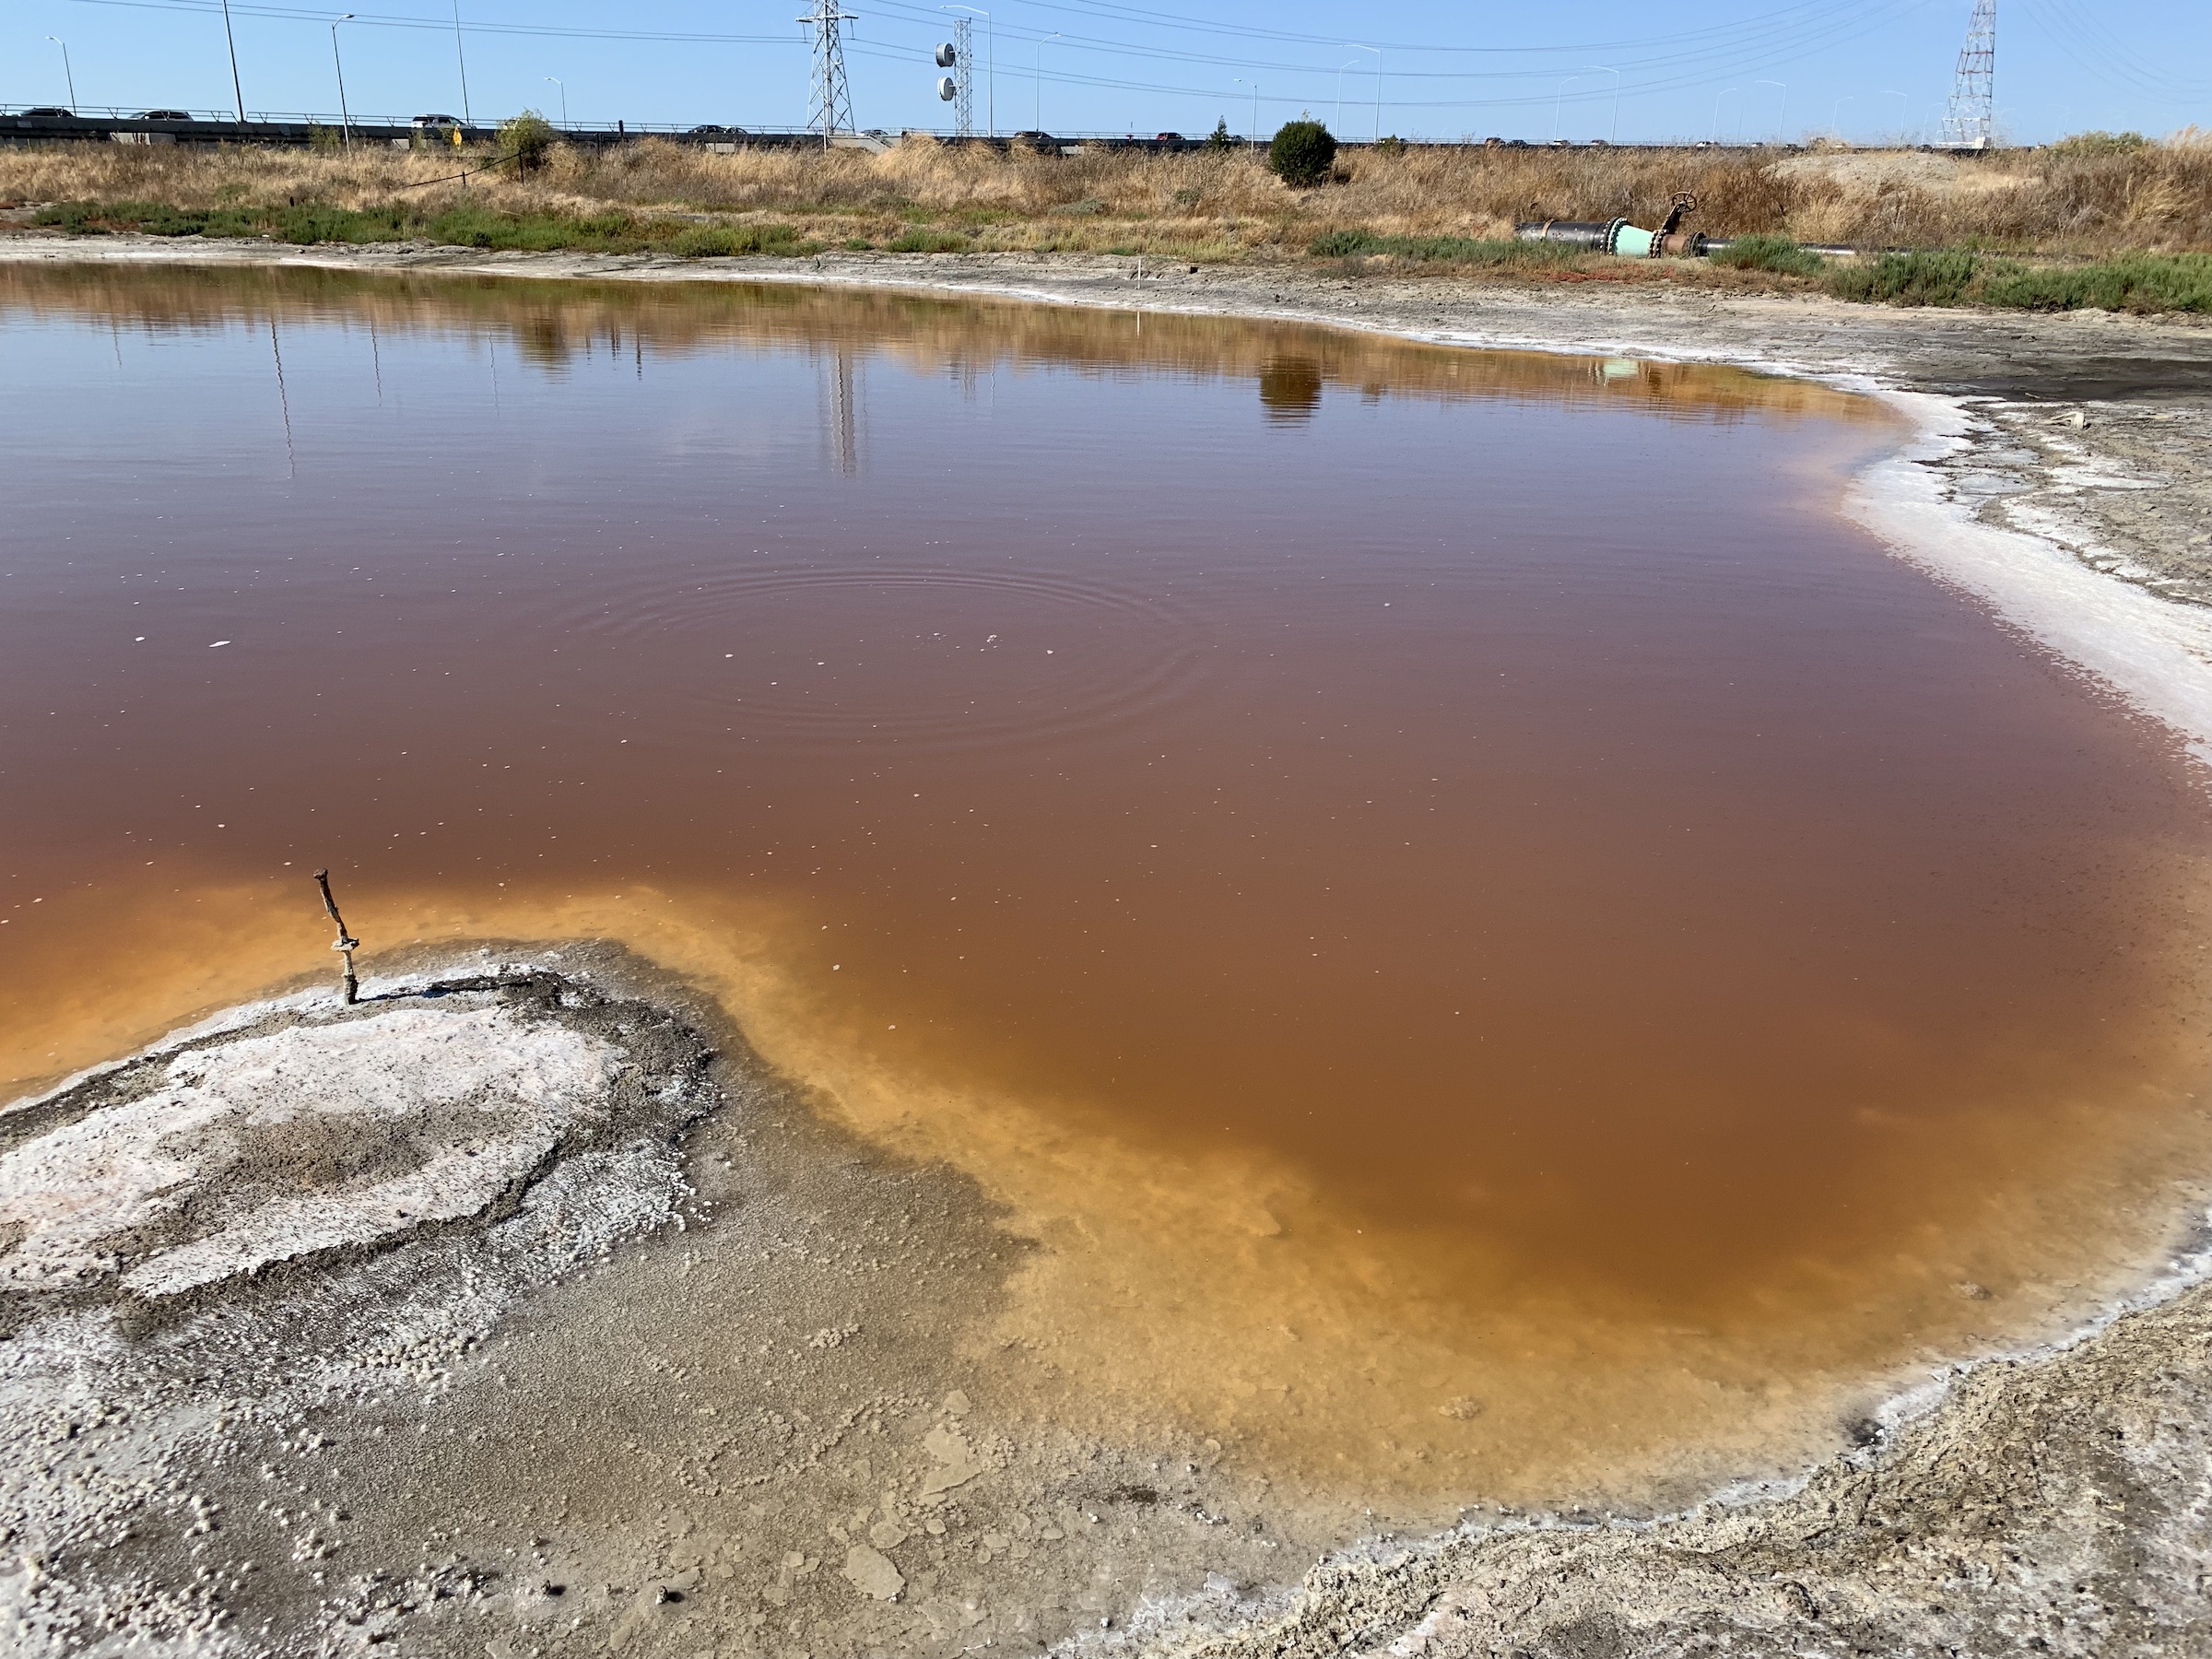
column 483, row 1097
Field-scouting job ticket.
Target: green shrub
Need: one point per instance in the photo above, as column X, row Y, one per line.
column 1302, row 153
column 2137, row 282
column 1219, row 139
column 2101, row 144
column 526, row 141
column 1936, row 278
column 1762, row 252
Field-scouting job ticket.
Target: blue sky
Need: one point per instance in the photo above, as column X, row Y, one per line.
column 1871, row 70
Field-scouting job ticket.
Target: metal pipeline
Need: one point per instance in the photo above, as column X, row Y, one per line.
column 1617, row 236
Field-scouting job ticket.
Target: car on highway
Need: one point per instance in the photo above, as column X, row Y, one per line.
column 431, row 123
column 1167, row 138
column 162, row 115
column 53, row 114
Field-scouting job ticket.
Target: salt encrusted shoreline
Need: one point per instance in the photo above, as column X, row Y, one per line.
column 2056, row 1500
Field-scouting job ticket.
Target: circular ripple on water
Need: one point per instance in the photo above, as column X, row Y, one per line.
column 920, row 657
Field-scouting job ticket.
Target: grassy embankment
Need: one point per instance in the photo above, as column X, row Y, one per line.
column 2091, row 223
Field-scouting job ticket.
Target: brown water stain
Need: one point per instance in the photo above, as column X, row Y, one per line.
column 1502, row 949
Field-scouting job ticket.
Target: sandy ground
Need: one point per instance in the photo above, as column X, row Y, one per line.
column 576, row 1330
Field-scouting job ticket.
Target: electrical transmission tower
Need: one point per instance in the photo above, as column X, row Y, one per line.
column 963, row 79
column 1971, row 122
column 830, row 104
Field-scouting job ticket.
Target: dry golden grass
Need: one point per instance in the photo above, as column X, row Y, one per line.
column 2157, row 198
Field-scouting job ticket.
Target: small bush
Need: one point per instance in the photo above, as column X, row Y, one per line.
column 1301, row 154
column 1218, row 139
column 526, row 141
column 1939, row 278
column 1777, row 253
column 2101, row 144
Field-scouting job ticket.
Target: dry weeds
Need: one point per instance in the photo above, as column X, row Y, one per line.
column 2157, row 198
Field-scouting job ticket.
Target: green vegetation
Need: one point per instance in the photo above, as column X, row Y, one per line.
column 2101, row 144
column 1777, row 253
column 526, row 141
column 616, row 231
column 1302, row 153
column 929, row 241
column 1219, row 140
column 1936, row 278
column 2137, row 282
column 2131, row 282
column 1443, row 249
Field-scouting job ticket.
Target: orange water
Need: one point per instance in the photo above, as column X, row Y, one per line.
column 1500, row 946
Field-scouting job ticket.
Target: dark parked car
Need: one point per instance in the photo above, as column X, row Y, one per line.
column 53, row 114
column 162, row 115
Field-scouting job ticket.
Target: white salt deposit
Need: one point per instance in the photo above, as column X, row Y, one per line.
column 2156, row 654
column 309, row 1139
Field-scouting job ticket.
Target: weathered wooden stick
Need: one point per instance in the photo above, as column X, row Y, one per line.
column 345, row 942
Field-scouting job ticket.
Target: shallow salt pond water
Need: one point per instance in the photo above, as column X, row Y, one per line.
column 1500, row 947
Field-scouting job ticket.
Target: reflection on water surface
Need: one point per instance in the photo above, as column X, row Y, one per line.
column 1500, row 947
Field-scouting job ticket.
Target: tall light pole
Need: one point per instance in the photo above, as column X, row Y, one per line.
column 1337, row 120
column 1782, row 114
column 1613, row 137
column 1556, row 99
column 1255, row 140
column 1903, row 109
column 990, row 75
column 1378, row 51
column 564, row 99
column 1835, row 118
column 235, row 87
column 1716, row 110
column 467, row 115
column 345, row 114
column 69, row 73
column 1037, row 116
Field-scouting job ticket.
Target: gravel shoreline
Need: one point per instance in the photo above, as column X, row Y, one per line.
column 2060, row 1501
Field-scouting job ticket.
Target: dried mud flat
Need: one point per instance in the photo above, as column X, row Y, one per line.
column 517, row 1311
column 686, row 1370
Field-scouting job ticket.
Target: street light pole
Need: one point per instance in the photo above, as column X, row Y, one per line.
column 345, row 114
column 69, row 73
column 1556, row 99
column 1903, row 109
column 1037, row 114
column 235, row 87
column 564, row 99
column 1614, row 138
column 1835, row 118
column 1781, row 116
column 1716, row 110
column 468, row 116
column 1255, row 140
column 1378, row 51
